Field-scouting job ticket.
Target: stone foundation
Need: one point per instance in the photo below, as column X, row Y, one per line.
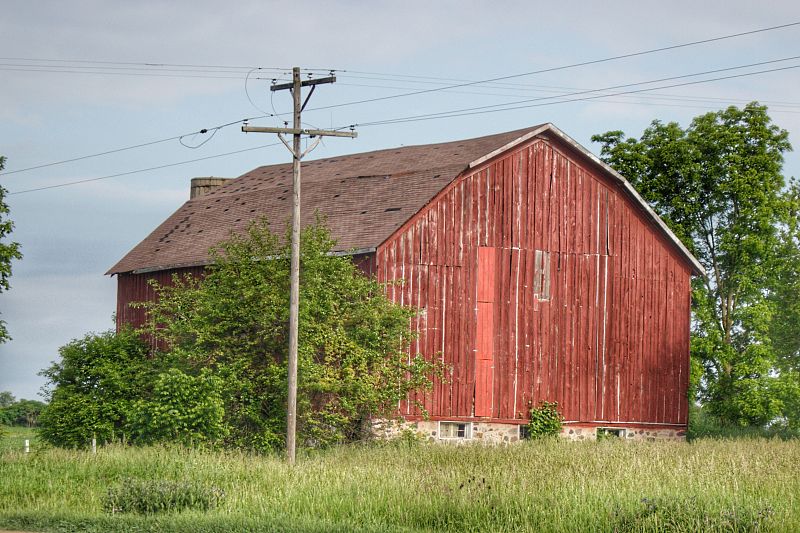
column 648, row 434
column 495, row 433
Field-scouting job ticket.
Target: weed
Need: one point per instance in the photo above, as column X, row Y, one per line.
column 159, row 496
column 545, row 420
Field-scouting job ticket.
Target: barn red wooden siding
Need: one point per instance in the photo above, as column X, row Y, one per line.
column 136, row 288
column 536, row 278
column 133, row 287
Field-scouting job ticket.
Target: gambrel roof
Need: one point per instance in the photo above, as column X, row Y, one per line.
column 365, row 198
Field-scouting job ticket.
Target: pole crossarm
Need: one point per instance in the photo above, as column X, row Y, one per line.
column 296, row 131
column 304, row 83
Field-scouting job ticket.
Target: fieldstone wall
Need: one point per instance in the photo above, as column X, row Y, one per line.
column 648, row 434
column 492, row 433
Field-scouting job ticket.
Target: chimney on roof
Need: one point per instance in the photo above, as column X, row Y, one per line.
column 202, row 186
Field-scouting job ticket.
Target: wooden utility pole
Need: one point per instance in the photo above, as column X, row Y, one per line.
column 294, row 293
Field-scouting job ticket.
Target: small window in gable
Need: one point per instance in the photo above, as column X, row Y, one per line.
column 541, row 275
column 455, row 430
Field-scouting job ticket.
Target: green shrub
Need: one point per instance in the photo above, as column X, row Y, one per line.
column 545, row 420
column 184, row 409
column 92, row 386
column 704, row 425
column 159, row 496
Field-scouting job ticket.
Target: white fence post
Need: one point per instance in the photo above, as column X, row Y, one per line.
column 27, row 446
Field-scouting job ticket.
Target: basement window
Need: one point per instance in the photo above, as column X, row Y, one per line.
column 524, row 432
column 455, row 430
column 610, row 433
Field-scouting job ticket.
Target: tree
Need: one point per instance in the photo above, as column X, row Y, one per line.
column 718, row 184
column 6, row 399
column 22, row 412
column 94, row 386
column 8, row 251
column 352, row 361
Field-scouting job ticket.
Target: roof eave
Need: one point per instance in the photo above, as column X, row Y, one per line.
column 206, row 262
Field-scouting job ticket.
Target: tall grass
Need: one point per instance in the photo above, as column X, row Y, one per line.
column 748, row 485
column 703, row 425
column 14, row 437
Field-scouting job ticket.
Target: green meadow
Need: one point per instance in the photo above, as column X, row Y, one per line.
column 551, row 485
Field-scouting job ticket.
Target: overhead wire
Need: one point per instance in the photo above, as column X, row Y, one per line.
column 430, row 116
column 168, row 165
column 247, row 92
column 179, row 138
column 513, row 105
column 153, row 64
column 558, row 68
column 659, row 96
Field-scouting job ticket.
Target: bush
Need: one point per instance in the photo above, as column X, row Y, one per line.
column 92, row 387
column 545, row 420
column 704, row 425
column 158, row 496
column 184, row 409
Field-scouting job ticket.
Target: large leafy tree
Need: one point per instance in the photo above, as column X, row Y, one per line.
column 93, row 388
column 352, row 363
column 9, row 251
column 719, row 185
column 107, row 386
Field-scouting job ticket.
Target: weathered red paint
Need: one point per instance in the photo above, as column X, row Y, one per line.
column 485, row 334
column 136, row 287
column 607, row 338
column 132, row 288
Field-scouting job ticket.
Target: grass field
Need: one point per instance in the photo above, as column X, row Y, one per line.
column 13, row 438
column 708, row 485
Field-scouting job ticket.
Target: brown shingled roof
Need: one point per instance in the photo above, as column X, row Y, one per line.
column 364, row 196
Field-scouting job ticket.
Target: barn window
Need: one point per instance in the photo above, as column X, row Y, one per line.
column 455, row 430
column 541, row 275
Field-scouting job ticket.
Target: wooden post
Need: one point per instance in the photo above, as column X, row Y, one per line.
column 294, row 291
column 27, row 446
column 94, row 444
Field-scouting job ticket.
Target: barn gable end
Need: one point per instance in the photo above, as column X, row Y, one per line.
column 537, row 277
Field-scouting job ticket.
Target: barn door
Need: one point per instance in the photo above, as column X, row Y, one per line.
column 485, row 331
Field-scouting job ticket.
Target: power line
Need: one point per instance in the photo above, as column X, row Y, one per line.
column 155, row 64
column 67, row 184
column 179, row 138
column 512, row 106
column 129, row 74
column 449, row 114
column 659, row 96
column 431, row 116
column 563, row 67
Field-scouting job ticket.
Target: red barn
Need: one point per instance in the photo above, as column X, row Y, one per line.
column 538, row 272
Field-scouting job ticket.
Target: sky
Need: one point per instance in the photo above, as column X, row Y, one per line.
column 81, row 78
